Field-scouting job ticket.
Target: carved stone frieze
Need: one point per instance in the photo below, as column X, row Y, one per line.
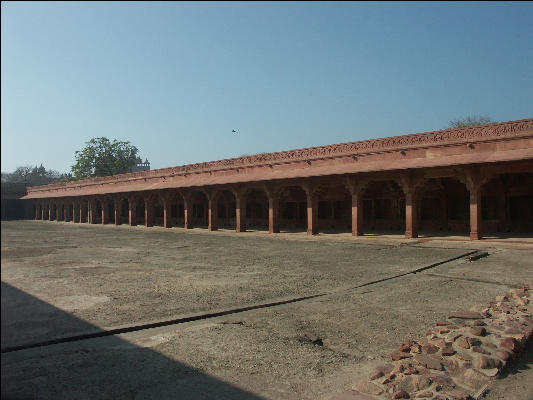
column 490, row 132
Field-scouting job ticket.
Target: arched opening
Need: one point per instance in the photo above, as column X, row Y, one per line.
column 139, row 211
column 85, row 211
column 334, row 209
column 226, row 209
column 177, row 210
column 507, row 205
column 110, row 212
column 200, row 206
column 158, row 211
column 293, row 209
column 98, row 214
column 383, row 207
column 443, row 207
column 124, row 212
column 256, row 209
column 70, row 212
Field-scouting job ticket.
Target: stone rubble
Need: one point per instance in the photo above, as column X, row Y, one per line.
column 459, row 358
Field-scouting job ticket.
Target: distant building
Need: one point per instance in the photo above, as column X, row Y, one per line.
column 12, row 206
column 141, row 166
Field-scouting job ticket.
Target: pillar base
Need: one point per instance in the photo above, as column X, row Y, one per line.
column 475, row 235
column 411, row 235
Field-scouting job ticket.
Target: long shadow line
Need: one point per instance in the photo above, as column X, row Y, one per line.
column 134, row 328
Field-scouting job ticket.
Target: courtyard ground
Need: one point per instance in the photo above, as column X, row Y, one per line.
column 61, row 281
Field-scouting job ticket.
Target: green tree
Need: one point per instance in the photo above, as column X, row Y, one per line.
column 34, row 176
column 101, row 157
column 471, row 120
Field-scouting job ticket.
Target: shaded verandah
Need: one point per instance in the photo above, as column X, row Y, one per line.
column 363, row 203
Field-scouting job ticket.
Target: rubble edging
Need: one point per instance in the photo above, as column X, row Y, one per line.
column 459, row 358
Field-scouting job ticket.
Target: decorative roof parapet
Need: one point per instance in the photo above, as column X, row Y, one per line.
column 494, row 131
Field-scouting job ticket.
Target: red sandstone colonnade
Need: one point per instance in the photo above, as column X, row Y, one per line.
column 467, row 180
column 372, row 203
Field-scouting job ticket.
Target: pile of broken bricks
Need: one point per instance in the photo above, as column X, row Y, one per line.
column 459, row 358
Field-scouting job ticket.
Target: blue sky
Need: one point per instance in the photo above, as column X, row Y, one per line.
column 175, row 78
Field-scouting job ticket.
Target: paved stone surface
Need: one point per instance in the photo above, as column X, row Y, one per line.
column 250, row 355
column 153, row 274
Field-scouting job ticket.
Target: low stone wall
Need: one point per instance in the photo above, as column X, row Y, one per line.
column 459, row 358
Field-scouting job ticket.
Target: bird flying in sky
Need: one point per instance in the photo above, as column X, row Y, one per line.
column 234, row 131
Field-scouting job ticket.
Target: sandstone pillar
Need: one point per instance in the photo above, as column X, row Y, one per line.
column 117, row 210
column 166, row 200
column 187, row 210
column 410, row 187
column 356, row 188
column 411, row 214
column 311, row 191
column 240, row 210
column 148, row 211
column 475, row 214
column 132, row 211
column 273, row 195
column 273, row 214
column 475, row 180
column 357, row 213
column 212, row 211
column 312, row 213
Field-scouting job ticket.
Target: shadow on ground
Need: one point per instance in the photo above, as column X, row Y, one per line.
column 100, row 368
column 511, row 381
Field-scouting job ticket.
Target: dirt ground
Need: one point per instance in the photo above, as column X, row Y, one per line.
column 61, row 280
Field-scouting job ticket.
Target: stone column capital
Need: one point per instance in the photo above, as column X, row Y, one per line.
column 410, row 183
column 185, row 194
column 474, row 178
column 165, row 196
column 272, row 190
column 210, row 193
column 310, row 186
column 355, row 185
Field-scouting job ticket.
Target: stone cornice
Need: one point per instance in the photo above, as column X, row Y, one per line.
column 448, row 137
